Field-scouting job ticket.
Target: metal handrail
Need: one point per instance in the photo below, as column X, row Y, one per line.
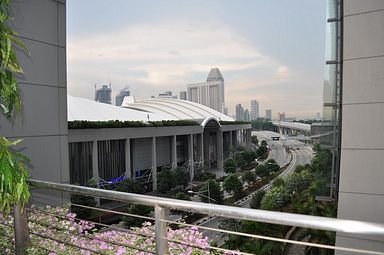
column 282, row 218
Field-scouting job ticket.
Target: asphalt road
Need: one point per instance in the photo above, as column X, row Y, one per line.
column 301, row 155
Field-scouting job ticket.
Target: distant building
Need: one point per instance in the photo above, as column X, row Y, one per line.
column 103, row 95
column 183, row 95
column 166, row 94
column 318, row 116
column 123, row 93
column 268, row 114
column 239, row 112
column 246, row 115
column 254, row 110
column 281, row 116
column 210, row 93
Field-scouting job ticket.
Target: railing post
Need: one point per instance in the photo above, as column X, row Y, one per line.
column 160, row 231
column 20, row 224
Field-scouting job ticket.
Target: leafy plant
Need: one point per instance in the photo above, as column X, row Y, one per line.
column 229, row 165
column 13, row 176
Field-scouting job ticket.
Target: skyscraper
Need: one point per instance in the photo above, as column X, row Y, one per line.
column 103, row 95
column 239, row 112
column 246, row 115
column 123, row 93
column 268, row 114
column 254, row 110
column 209, row 93
column 183, row 95
column 281, row 116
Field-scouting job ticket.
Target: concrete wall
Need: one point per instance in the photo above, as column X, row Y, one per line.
column 43, row 125
column 361, row 193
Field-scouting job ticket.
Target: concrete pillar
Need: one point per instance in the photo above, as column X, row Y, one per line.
column 190, row 157
column 95, row 161
column 202, row 149
column 128, row 170
column 219, row 155
column 230, row 144
column 154, row 165
column 174, row 152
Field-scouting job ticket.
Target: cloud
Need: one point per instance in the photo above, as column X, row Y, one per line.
column 155, row 57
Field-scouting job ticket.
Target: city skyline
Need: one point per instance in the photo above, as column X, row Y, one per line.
column 154, row 47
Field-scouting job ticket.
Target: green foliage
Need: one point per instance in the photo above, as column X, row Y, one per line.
column 254, row 140
column 263, row 143
column 249, row 177
column 256, row 199
column 262, row 124
column 233, row 184
column 82, row 213
column 142, row 210
column 202, row 177
column 13, row 176
column 248, row 156
column 131, row 186
column 9, row 66
column 275, row 199
column 180, row 177
column 165, row 180
column 261, row 170
column 261, row 152
column 215, row 192
column 229, row 165
column 278, row 182
column 300, row 168
column 236, row 122
column 84, row 124
column 271, row 166
column 182, row 196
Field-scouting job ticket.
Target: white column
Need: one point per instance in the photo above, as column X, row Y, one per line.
column 174, row 152
column 154, row 165
column 190, row 157
column 202, row 148
column 128, row 170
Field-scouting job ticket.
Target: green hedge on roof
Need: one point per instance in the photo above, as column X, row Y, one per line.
column 84, row 124
column 236, row 122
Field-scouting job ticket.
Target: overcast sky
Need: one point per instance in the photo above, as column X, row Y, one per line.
column 268, row 50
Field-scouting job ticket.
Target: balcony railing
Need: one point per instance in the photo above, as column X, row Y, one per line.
column 161, row 222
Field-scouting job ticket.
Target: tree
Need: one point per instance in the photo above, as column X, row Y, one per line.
column 261, row 151
column 229, row 166
column 131, row 186
column 275, row 199
column 165, row 181
column 254, row 140
column 271, row 166
column 256, row 199
column 211, row 188
column 264, row 143
column 278, row 182
column 249, row 177
column 261, row 170
column 142, row 210
column 182, row 196
column 13, row 173
column 248, row 156
column 180, row 177
column 233, row 185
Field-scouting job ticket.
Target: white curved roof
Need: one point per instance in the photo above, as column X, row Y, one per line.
column 156, row 109
column 175, row 108
column 86, row 109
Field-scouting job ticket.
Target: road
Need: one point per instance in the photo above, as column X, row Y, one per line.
column 301, row 155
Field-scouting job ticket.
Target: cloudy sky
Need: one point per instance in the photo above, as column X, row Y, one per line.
column 269, row 50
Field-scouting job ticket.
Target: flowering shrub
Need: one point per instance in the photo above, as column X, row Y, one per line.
column 55, row 230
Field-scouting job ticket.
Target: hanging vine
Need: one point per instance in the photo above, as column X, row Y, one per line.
column 13, row 173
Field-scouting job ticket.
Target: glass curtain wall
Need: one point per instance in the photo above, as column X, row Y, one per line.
column 330, row 139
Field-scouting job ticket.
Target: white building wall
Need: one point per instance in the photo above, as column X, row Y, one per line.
column 361, row 189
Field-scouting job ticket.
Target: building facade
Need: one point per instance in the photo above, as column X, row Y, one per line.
column 209, row 93
column 123, row 93
column 255, row 110
column 103, row 94
column 361, row 190
column 268, row 114
column 183, row 95
column 239, row 112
